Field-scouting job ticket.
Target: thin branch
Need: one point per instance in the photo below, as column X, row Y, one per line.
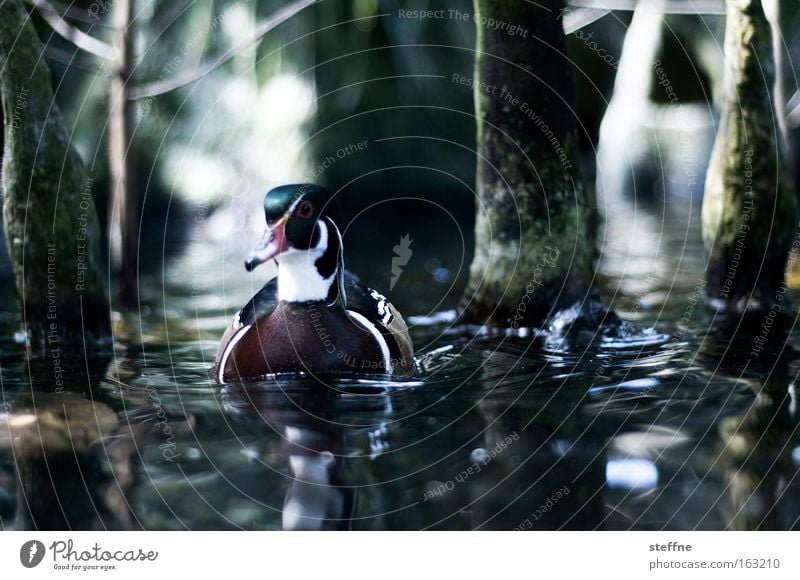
column 671, row 7
column 576, row 19
column 77, row 14
column 70, row 60
column 71, row 34
column 793, row 116
column 188, row 77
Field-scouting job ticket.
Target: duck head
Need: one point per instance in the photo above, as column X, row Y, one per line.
column 305, row 242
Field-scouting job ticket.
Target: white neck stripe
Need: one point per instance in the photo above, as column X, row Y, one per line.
column 298, row 277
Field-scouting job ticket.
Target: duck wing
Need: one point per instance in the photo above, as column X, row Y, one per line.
column 379, row 312
column 262, row 304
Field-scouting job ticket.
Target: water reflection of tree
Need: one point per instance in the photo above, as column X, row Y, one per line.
column 75, row 459
column 762, row 488
column 551, row 474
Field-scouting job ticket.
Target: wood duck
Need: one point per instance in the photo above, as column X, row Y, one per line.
column 314, row 317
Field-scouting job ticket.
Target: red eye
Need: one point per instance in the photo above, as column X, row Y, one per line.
column 305, row 209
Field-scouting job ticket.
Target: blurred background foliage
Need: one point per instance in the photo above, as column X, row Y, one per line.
column 293, row 104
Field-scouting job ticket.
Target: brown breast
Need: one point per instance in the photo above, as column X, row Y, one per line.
column 304, row 337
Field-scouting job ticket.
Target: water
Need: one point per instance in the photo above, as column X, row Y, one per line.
column 677, row 426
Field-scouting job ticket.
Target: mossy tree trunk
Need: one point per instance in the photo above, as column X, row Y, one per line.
column 749, row 208
column 49, row 215
column 534, row 251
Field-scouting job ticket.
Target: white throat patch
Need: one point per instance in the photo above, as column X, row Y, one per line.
column 298, row 277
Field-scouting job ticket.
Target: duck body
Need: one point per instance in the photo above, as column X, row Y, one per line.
column 273, row 336
column 314, row 317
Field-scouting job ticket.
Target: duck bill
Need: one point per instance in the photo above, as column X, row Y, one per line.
column 271, row 245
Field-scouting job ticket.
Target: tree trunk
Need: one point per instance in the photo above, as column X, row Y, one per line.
column 124, row 204
column 534, row 251
column 749, row 208
column 49, row 215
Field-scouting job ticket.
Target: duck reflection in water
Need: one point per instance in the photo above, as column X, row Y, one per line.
column 315, row 439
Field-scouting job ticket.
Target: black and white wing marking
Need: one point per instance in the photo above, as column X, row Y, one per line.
column 379, row 313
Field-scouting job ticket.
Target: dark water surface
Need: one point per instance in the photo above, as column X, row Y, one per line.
column 680, row 425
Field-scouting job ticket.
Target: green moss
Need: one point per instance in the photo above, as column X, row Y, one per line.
column 532, row 203
column 749, row 208
column 50, row 221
